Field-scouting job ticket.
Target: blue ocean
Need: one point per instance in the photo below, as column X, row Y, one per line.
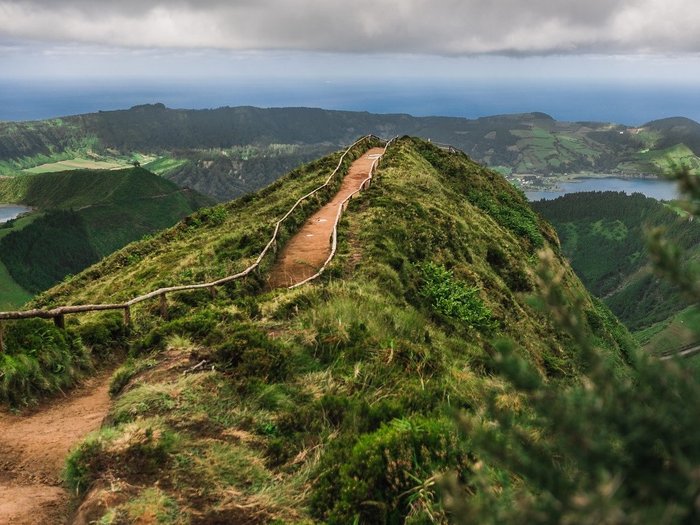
column 625, row 104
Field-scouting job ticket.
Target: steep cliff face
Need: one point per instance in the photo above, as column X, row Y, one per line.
column 334, row 401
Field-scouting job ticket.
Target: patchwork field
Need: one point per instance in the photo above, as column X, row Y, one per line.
column 672, row 334
column 228, row 152
column 75, row 164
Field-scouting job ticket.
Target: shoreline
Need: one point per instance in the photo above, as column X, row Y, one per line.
column 656, row 188
column 22, row 211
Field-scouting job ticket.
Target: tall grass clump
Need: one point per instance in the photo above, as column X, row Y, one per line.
column 40, row 359
column 140, row 449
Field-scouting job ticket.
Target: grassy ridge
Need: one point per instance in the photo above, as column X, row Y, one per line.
column 334, row 402
column 82, row 188
column 227, row 237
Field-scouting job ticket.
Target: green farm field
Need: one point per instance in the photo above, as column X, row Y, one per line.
column 672, row 334
column 77, row 163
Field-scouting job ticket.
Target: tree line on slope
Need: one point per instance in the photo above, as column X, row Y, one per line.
column 604, row 236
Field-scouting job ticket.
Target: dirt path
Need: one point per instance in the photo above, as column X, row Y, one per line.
column 306, row 252
column 35, row 445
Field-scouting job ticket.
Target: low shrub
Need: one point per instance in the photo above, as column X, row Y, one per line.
column 103, row 336
column 126, row 373
column 511, row 212
column 454, row 299
column 143, row 401
column 197, row 325
column 378, row 478
column 249, row 352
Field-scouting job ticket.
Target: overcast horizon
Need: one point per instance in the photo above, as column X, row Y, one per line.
column 626, row 61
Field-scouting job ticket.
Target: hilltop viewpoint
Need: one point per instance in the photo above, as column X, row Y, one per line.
column 353, row 398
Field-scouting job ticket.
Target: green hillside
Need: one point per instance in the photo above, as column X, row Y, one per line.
column 87, row 214
column 604, row 235
column 333, row 402
column 230, row 151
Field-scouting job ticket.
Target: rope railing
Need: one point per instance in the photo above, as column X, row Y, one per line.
column 448, row 147
column 341, row 208
column 58, row 313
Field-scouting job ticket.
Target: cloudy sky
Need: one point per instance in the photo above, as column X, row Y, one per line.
column 443, row 27
column 597, row 41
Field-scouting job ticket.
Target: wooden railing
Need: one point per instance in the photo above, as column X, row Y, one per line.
column 447, row 147
column 343, row 205
column 58, row 314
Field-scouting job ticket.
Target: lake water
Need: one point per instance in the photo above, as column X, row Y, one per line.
column 10, row 211
column 656, row 188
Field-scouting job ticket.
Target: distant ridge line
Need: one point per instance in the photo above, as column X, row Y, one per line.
column 58, row 313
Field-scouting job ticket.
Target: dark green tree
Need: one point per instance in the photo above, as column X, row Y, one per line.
column 619, row 445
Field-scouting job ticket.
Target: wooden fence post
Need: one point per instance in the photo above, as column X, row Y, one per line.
column 2, row 339
column 127, row 318
column 212, row 292
column 60, row 321
column 163, row 306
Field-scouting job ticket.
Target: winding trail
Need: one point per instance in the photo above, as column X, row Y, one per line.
column 34, row 445
column 308, row 249
column 33, row 449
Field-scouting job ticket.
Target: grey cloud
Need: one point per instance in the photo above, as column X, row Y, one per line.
column 447, row 27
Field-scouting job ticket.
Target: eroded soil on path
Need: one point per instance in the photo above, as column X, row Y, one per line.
column 34, row 447
column 306, row 252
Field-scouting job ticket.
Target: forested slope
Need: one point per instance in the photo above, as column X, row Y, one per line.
column 85, row 215
column 604, row 234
